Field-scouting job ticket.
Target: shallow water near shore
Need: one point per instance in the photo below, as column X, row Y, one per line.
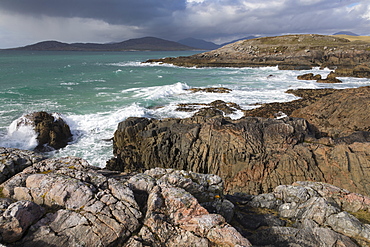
column 94, row 91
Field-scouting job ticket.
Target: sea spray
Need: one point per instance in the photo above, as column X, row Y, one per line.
column 20, row 134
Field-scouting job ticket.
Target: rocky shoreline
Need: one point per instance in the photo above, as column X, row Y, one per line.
column 292, row 52
column 262, row 180
column 285, row 174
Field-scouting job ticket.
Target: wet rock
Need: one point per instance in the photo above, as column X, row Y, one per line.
column 52, row 131
column 252, row 155
column 331, row 78
column 309, row 76
column 361, row 71
column 210, row 90
column 215, row 108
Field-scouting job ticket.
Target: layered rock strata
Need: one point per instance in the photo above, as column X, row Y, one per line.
column 254, row 155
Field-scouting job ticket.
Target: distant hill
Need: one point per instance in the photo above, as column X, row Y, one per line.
column 140, row 44
column 346, row 33
column 199, row 43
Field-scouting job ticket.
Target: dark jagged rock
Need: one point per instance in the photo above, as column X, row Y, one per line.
column 309, row 76
column 211, row 90
column 215, row 108
column 254, row 155
column 331, row 78
column 52, row 131
column 361, row 71
column 67, row 202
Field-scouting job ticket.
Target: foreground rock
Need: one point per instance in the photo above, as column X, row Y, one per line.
column 13, row 161
column 287, row 52
column 52, row 131
column 66, row 202
column 304, row 214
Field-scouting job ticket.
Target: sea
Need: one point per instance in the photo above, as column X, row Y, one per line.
column 94, row 91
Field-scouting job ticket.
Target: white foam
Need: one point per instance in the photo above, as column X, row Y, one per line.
column 140, row 64
column 20, row 135
column 158, row 92
column 92, row 131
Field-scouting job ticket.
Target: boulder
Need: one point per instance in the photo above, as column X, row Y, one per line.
column 67, row 202
column 52, row 131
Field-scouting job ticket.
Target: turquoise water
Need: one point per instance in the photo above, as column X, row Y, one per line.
column 94, row 91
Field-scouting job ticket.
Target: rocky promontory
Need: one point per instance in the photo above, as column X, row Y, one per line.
column 287, row 52
column 255, row 154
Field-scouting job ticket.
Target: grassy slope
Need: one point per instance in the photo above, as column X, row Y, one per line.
column 354, row 38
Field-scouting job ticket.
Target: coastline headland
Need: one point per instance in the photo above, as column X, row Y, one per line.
column 293, row 52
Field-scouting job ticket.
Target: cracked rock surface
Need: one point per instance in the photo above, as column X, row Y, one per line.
column 67, row 202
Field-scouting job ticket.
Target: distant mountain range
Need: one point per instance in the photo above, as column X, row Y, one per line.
column 140, row 44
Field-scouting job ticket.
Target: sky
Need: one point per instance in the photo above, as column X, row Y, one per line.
column 24, row 22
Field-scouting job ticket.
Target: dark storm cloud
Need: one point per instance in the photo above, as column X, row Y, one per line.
column 216, row 20
column 111, row 11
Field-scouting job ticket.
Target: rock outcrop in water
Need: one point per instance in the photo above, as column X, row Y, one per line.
column 254, row 155
column 288, row 52
column 52, row 131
